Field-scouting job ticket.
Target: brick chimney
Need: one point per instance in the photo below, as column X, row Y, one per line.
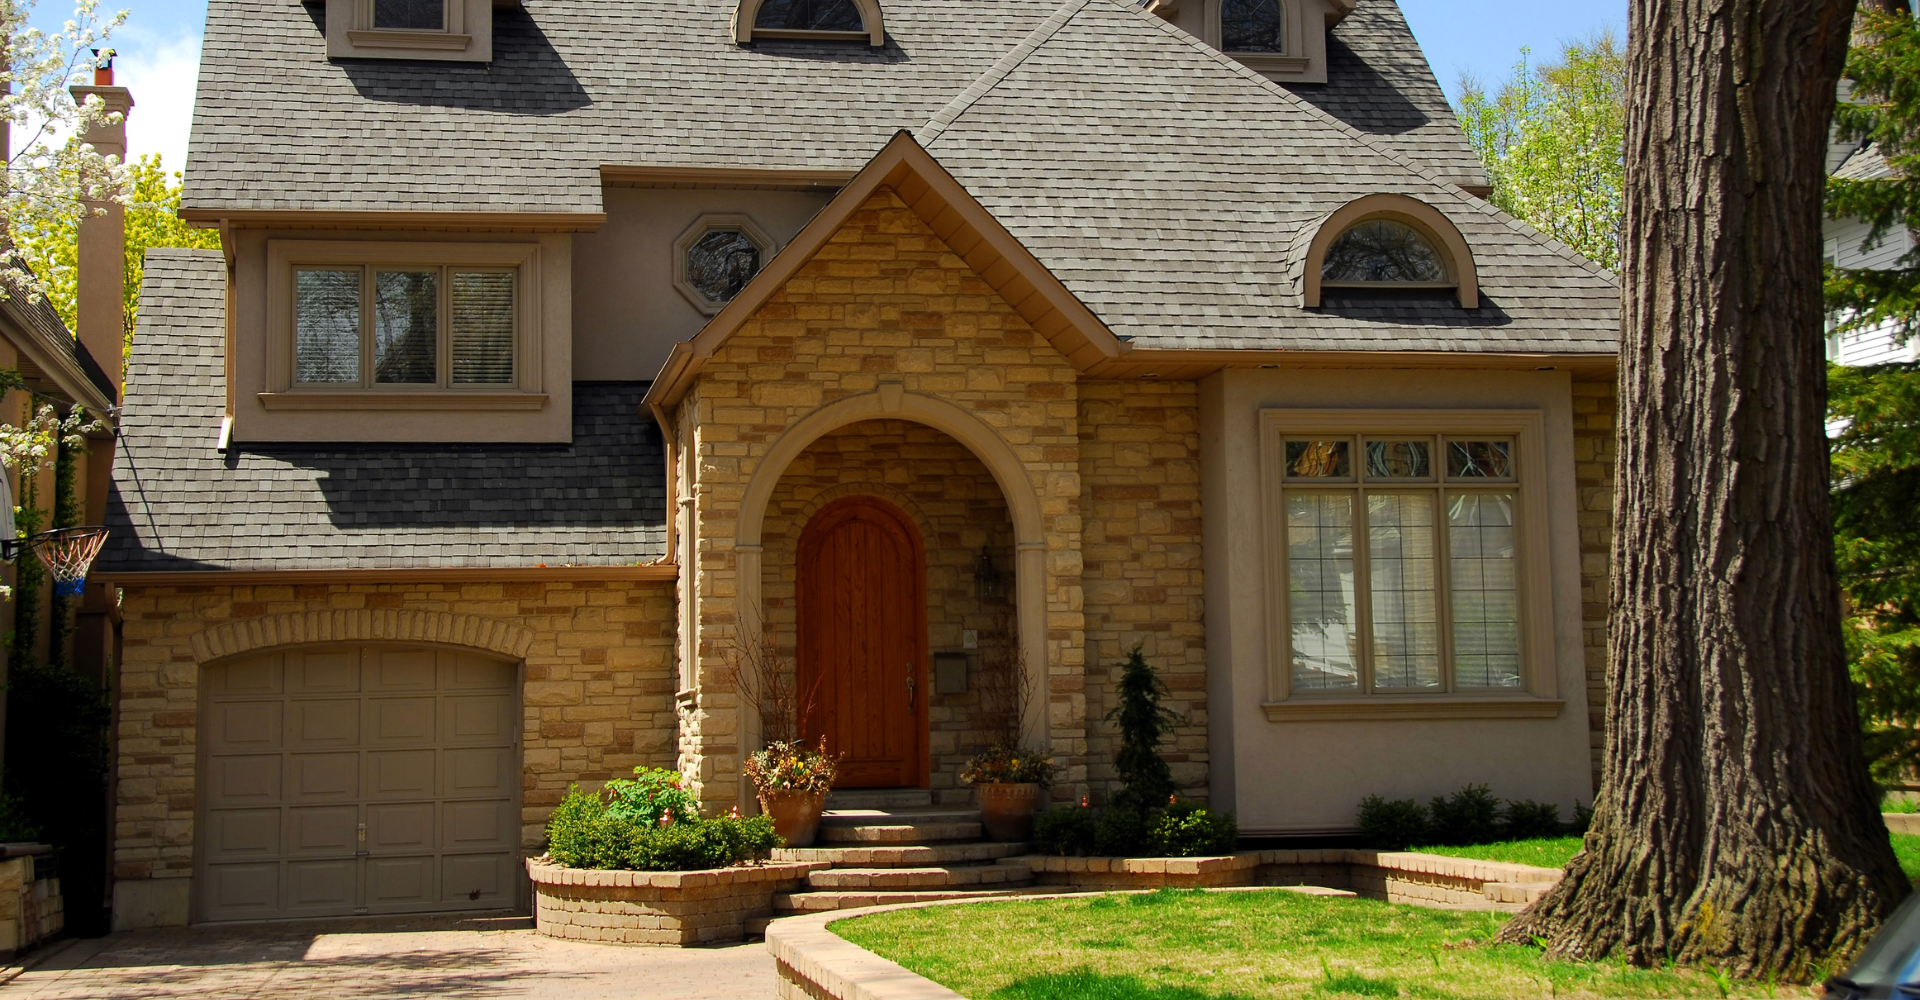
column 101, row 278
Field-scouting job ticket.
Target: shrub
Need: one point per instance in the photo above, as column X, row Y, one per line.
column 586, row 832
column 1526, row 820
column 1147, row 781
column 1064, row 830
column 1187, row 830
column 1121, row 832
column 1468, row 816
column 1007, row 764
column 651, row 794
column 1392, row 825
column 15, row 827
column 1582, row 818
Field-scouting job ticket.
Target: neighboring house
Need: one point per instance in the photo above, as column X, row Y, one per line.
column 1848, row 245
column 562, row 352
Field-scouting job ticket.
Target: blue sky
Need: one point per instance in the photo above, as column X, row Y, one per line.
column 160, row 49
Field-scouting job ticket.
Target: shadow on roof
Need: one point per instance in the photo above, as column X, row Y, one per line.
column 1359, row 95
column 841, row 52
column 527, row 75
column 1415, row 308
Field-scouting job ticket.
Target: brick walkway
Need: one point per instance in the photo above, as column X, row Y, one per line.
column 428, row 959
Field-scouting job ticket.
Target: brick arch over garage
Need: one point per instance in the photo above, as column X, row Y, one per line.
column 246, row 635
column 986, row 444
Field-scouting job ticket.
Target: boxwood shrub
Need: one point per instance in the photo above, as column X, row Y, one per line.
column 585, row 833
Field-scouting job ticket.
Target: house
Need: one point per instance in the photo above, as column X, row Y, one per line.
column 563, row 352
column 1850, row 243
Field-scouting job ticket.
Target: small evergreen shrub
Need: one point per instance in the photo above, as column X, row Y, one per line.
column 1146, row 781
column 1188, row 830
column 1526, row 820
column 1064, row 830
column 1468, row 816
column 1392, row 825
column 585, row 831
column 1122, row 831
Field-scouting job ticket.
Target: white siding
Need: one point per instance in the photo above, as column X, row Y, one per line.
column 1844, row 246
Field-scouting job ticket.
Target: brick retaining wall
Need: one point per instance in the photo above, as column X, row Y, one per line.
column 671, row 908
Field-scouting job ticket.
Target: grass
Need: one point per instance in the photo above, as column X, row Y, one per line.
column 1906, row 847
column 1555, row 852
column 1899, row 805
column 1192, row 945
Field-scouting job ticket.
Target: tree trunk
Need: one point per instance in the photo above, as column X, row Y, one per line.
column 1736, row 823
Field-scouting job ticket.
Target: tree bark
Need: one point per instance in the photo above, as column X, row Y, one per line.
column 1736, row 823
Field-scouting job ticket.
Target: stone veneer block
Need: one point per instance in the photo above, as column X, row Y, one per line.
column 666, row 908
column 1145, row 873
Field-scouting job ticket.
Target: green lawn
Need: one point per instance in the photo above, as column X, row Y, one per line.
column 1906, row 846
column 1192, row 945
column 1555, row 852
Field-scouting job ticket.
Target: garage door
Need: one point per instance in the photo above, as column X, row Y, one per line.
column 358, row 780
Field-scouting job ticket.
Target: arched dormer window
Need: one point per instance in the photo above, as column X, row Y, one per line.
column 820, row 20
column 1252, row 26
column 1388, row 242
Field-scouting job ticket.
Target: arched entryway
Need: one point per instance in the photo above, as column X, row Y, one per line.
column 862, row 640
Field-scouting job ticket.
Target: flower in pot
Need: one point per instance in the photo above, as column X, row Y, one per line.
column 1008, row 781
column 792, row 780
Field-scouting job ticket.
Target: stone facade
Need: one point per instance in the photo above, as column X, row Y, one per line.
column 675, row 908
column 597, row 700
column 1595, row 409
column 31, row 907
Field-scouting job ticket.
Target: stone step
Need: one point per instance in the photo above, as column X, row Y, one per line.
column 897, row 817
column 879, row 798
column 932, row 877
column 757, row 926
column 901, row 856
column 816, row 902
column 914, row 833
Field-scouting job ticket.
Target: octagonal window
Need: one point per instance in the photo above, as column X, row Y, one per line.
column 715, row 258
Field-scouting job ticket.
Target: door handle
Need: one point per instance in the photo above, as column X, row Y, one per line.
column 910, row 687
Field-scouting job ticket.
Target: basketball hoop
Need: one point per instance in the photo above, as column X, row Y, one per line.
column 67, row 553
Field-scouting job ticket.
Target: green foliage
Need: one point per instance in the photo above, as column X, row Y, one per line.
column 15, row 825
column 585, row 832
column 793, row 766
column 1552, row 138
column 57, row 769
column 1906, row 847
column 1392, row 825
column 1541, row 852
column 1582, row 818
column 1188, row 830
column 1146, row 780
column 1122, row 832
column 1527, row 820
column 1007, row 764
column 1882, row 108
column 1468, row 816
column 1064, row 830
column 651, row 794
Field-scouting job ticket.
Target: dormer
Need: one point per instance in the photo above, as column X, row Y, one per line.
column 1284, row 40
column 445, row 30
column 810, row 20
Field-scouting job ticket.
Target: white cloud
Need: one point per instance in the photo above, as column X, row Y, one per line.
column 162, row 71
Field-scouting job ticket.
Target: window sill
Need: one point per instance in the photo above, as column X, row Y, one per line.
column 394, row 38
column 1272, row 61
column 1385, row 708
column 369, row 399
column 803, row 34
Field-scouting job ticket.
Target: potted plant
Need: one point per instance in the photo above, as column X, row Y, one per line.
column 792, row 780
column 1008, row 781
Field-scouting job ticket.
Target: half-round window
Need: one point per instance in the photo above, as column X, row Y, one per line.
column 1382, row 251
column 716, row 257
column 1251, row 26
column 809, row 15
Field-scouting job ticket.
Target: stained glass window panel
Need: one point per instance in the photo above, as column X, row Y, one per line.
column 1403, row 585
column 327, row 327
column 482, row 328
column 809, row 15
column 1381, row 250
column 415, row 15
column 1399, row 459
column 1485, row 595
column 1319, row 460
column 406, row 327
column 1251, row 26
column 1480, row 459
column 720, row 263
column 1320, row 592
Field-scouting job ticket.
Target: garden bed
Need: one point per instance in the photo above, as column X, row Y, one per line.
column 671, row 908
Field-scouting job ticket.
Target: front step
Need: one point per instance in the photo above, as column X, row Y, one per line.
column 788, row 903
column 879, row 798
column 936, row 877
column 918, row 833
column 886, row 817
column 901, row 856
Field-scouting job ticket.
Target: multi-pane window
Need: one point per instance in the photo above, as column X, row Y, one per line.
column 416, row 15
column 1401, row 563
column 809, row 15
column 445, row 326
column 1251, row 26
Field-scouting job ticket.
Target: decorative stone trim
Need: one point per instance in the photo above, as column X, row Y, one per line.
column 673, row 908
column 1145, row 873
column 1395, row 876
column 362, row 624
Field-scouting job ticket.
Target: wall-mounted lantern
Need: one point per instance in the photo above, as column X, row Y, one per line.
column 986, row 578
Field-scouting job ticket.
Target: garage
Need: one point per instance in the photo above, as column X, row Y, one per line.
column 358, row 779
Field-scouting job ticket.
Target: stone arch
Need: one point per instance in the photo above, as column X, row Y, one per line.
column 245, row 635
column 896, row 497
column 892, row 401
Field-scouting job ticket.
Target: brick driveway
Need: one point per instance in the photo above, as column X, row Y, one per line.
column 419, row 958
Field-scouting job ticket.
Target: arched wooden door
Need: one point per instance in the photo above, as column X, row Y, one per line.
column 862, row 594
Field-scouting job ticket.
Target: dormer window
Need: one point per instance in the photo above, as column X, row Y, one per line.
column 1252, row 26
column 1283, row 40
column 457, row 30
column 1386, row 242
column 1382, row 251
column 816, row 20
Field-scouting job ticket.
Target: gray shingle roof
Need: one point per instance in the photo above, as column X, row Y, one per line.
column 580, row 83
column 179, row 504
column 1174, row 210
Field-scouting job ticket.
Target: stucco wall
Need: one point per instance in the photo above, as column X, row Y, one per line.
column 1140, row 481
column 958, row 508
column 1303, row 776
column 597, row 701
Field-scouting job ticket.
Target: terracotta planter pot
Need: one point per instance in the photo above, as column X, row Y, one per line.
column 796, row 815
column 1007, row 810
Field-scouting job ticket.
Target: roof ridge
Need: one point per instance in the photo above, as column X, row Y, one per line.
column 1003, row 67
column 1477, row 203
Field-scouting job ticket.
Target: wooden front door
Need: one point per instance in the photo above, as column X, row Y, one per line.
column 862, row 593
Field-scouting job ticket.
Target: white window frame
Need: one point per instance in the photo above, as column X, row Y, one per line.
column 1537, row 695
column 284, row 257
